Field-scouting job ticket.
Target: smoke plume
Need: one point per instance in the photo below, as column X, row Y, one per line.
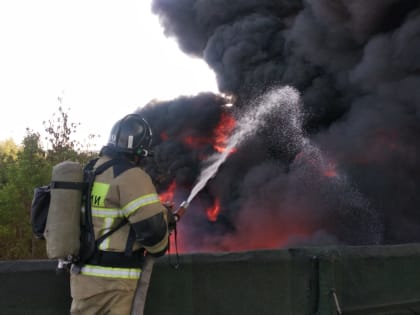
column 347, row 170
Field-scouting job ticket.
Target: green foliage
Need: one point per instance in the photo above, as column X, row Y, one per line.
column 27, row 169
column 62, row 147
column 8, row 148
column 8, row 154
column 22, row 169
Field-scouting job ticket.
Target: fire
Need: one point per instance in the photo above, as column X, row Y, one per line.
column 213, row 212
column 273, row 237
column 218, row 140
column 331, row 171
column 196, row 142
column 168, row 195
column 222, row 132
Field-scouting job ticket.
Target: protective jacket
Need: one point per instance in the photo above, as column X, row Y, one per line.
column 122, row 192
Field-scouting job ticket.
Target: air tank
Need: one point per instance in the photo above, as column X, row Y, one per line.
column 62, row 232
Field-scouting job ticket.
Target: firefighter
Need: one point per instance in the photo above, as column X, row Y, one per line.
column 106, row 284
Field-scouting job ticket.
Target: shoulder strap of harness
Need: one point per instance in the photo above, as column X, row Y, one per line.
column 90, row 174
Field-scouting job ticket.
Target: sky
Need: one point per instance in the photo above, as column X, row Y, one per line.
column 98, row 59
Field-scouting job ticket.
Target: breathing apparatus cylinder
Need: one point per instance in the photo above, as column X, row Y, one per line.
column 62, row 230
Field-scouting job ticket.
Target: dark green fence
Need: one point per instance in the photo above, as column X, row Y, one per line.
column 325, row 280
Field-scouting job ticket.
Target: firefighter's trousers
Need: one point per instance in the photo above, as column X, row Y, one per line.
column 97, row 295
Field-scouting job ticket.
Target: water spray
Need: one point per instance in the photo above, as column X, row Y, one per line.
column 286, row 99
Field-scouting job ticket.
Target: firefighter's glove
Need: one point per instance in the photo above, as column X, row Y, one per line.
column 171, row 218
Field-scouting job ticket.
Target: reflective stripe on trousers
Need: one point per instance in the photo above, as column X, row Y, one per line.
column 110, row 272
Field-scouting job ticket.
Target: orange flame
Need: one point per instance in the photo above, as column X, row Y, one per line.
column 213, row 212
column 195, row 142
column 331, row 170
column 222, row 132
column 168, row 195
column 272, row 237
column 219, row 138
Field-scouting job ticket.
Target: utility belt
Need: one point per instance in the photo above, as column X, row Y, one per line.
column 112, row 265
column 117, row 259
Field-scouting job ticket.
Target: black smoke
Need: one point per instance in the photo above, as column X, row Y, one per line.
column 356, row 65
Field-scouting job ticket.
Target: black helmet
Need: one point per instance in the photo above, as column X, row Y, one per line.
column 131, row 135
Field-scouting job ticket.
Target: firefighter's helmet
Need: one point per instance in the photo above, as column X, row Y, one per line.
column 131, row 135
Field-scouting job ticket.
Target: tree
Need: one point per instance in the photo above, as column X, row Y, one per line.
column 24, row 172
column 59, row 131
column 22, row 169
column 8, row 148
column 8, row 154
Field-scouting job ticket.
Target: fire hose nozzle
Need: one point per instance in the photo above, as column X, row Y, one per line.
column 181, row 210
column 184, row 204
